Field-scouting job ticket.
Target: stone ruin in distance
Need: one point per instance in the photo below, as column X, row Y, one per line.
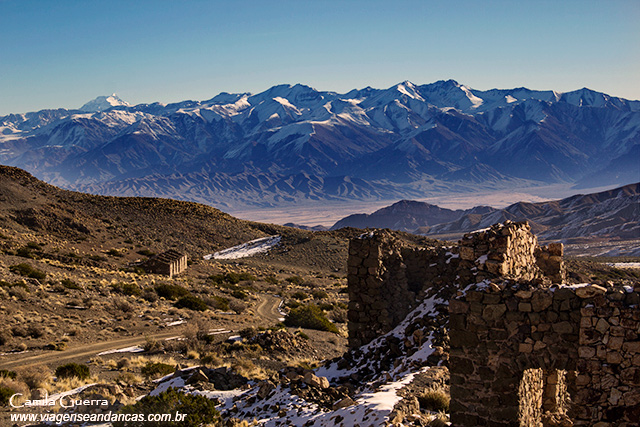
column 525, row 349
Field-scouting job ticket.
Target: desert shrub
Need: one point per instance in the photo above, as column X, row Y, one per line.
column 339, row 315
column 19, row 292
column 56, row 346
column 70, row 284
column 325, row 306
column 4, row 373
column 26, row 270
column 292, row 304
column 211, row 359
column 130, row 289
column 319, row 294
column 434, row 400
column 295, row 280
column 272, row 280
column 35, row 330
column 25, row 252
column 153, row 370
column 146, row 252
column 172, row 292
column 191, row 302
column 237, row 306
column 240, row 294
column 96, row 258
column 19, row 331
column 114, row 253
column 302, row 335
column 122, row 305
column 152, row 345
column 150, row 295
column 248, row 333
column 5, row 395
column 199, row 410
column 35, row 377
column 73, row 370
column 299, row 295
column 217, row 302
column 310, row 316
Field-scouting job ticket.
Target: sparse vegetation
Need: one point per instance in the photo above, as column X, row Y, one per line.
column 319, row 294
column 73, row 370
column 70, row 284
column 191, row 302
column 153, row 370
column 4, row 373
column 434, row 400
column 299, row 295
column 295, row 280
column 27, row 270
column 172, row 292
column 310, row 316
column 129, row 289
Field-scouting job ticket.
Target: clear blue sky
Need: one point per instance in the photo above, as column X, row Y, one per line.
column 63, row 53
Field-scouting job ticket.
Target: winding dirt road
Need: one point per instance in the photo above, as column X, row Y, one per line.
column 266, row 308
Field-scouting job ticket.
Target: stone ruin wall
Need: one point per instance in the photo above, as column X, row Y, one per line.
column 523, row 356
column 525, row 350
column 387, row 279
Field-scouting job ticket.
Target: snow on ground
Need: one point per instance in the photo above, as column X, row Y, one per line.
column 372, row 408
column 132, row 349
column 625, row 264
column 253, row 247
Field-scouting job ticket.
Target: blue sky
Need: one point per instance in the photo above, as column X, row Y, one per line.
column 63, row 53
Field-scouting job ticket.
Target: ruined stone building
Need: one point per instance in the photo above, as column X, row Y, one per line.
column 168, row 263
column 525, row 349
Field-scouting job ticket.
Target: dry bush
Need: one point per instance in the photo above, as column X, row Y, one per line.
column 152, row 345
column 441, row 420
column 247, row 368
column 9, row 387
column 434, row 399
column 35, row 377
column 129, row 378
column 211, row 359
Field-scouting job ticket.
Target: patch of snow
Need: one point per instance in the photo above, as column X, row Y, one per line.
column 482, row 259
column 176, row 323
column 132, row 349
column 176, row 382
column 251, row 248
column 624, row 264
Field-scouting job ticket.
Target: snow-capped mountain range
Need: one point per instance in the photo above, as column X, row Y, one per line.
column 292, row 143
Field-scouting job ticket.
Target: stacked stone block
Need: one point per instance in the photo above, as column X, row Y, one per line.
column 520, row 355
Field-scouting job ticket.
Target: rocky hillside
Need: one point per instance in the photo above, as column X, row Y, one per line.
column 295, row 143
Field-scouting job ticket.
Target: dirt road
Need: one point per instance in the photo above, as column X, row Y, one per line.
column 266, row 308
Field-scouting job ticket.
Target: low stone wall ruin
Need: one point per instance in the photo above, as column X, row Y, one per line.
column 522, row 356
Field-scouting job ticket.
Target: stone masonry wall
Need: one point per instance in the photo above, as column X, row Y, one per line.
column 387, row 279
column 558, row 355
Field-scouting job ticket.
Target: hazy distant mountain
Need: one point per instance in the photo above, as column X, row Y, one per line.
column 613, row 213
column 292, row 143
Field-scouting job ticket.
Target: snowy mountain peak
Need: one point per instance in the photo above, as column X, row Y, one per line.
column 102, row 103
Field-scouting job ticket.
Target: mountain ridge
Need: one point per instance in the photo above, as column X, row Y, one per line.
column 612, row 214
column 283, row 144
